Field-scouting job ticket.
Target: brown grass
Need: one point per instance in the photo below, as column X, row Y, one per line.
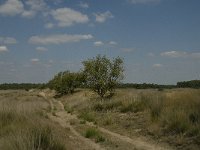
column 167, row 114
column 23, row 125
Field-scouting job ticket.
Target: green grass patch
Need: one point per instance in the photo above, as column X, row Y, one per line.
column 93, row 133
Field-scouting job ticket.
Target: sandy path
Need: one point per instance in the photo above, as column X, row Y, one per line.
column 63, row 119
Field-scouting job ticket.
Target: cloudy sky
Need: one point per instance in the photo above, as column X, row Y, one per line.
column 159, row 40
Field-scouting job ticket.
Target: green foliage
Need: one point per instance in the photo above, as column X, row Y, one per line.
column 146, row 86
column 103, row 75
column 65, row 82
column 23, row 86
column 189, row 84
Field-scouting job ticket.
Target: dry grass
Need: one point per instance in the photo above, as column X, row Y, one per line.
column 23, row 124
column 167, row 114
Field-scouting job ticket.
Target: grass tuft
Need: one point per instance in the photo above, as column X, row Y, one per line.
column 93, row 133
column 87, row 116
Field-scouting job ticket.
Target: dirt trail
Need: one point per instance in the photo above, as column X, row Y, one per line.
column 63, row 118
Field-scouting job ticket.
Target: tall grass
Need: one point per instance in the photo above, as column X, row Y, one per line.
column 176, row 111
column 23, row 127
column 32, row 137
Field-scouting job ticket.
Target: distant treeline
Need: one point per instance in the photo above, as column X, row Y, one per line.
column 28, row 86
column 183, row 84
column 189, row 84
column 145, row 86
column 23, row 86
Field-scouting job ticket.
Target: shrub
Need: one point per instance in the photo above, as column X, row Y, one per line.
column 66, row 82
column 103, row 75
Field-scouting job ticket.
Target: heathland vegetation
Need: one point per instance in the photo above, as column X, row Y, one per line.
column 168, row 114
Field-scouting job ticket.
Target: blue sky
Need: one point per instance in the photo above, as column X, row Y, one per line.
column 159, row 40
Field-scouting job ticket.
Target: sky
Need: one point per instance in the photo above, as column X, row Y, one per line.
column 159, row 40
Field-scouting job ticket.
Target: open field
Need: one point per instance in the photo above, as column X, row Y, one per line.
column 132, row 119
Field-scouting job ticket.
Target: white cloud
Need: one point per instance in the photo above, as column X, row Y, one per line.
column 28, row 13
column 143, row 1
column 67, row 17
column 37, row 5
column 181, row 54
column 41, row 49
column 102, row 17
column 34, row 60
column 113, row 43
column 11, row 8
column 28, row 9
column 157, row 65
column 84, row 5
column 49, row 25
column 98, row 43
column 59, row 38
column 3, row 49
column 34, row 6
column 7, row 40
column 174, row 54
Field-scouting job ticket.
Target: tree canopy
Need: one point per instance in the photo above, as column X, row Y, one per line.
column 102, row 74
column 65, row 82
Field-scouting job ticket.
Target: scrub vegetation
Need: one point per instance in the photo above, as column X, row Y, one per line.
column 92, row 98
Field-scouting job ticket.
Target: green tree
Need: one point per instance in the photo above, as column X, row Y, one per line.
column 65, row 82
column 102, row 74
